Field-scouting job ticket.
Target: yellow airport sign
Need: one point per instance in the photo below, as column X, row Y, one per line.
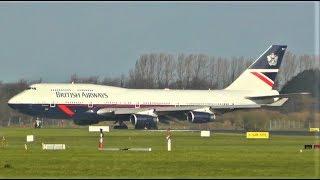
column 257, row 135
column 314, row 129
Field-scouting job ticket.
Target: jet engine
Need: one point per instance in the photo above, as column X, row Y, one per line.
column 141, row 121
column 200, row 117
column 87, row 118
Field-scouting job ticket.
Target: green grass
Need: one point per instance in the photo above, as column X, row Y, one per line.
column 220, row 156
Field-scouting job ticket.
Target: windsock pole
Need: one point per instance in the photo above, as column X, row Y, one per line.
column 101, row 140
column 169, row 144
column 168, row 137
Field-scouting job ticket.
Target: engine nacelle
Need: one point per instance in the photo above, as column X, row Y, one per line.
column 87, row 118
column 141, row 121
column 200, row 117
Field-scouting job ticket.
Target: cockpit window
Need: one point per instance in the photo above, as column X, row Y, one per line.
column 32, row 88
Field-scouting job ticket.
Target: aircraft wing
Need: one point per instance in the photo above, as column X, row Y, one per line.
column 280, row 102
column 164, row 110
column 119, row 111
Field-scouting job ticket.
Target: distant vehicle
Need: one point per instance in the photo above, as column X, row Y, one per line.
column 89, row 104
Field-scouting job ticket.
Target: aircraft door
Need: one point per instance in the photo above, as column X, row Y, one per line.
column 90, row 105
column 137, row 105
column 52, row 105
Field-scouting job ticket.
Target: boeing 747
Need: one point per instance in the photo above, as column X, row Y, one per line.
column 89, row 103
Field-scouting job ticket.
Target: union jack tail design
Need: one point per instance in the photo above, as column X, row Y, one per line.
column 262, row 73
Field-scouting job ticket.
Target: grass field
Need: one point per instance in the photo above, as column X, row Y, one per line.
column 219, row 156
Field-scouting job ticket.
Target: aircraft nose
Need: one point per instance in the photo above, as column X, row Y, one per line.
column 13, row 102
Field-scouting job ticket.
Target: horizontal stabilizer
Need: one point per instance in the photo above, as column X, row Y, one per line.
column 277, row 96
column 277, row 103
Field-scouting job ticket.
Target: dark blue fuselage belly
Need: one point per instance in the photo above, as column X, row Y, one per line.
column 44, row 110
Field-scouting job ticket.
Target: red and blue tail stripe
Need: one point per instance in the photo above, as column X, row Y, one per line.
column 267, row 77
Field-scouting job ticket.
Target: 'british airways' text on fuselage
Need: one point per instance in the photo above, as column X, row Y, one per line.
column 80, row 95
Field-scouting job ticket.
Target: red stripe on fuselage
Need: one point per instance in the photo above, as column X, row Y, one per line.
column 263, row 78
column 66, row 110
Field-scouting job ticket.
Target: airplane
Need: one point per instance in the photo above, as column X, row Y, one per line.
column 88, row 104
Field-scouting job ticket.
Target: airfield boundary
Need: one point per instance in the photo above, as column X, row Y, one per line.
column 218, row 156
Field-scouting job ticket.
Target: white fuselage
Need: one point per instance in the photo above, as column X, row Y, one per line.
column 75, row 94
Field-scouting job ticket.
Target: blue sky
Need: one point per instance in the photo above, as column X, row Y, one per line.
column 55, row 40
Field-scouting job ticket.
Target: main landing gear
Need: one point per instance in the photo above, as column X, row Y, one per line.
column 121, row 125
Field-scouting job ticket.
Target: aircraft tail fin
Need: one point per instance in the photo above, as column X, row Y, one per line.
column 261, row 74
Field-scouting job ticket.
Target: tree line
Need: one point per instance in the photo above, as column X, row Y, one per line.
column 196, row 71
